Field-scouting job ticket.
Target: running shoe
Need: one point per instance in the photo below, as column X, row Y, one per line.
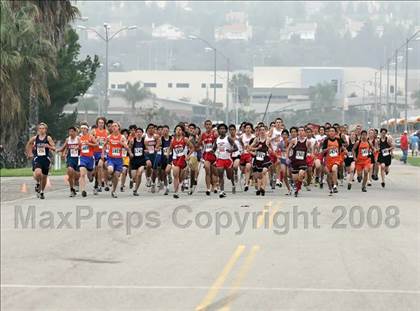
column 364, row 189
column 114, row 195
column 246, row 188
column 348, row 186
column 122, row 189
column 383, row 184
column 222, row 194
column 131, row 184
column 135, row 193
column 148, row 182
column 262, row 191
column 166, row 191
column 335, row 190
column 95, row 191
column 258, row 192
column 37, row 188
column 208, row 192
column 41, row 195
column 84, row 194
column 153, row 188
column 233, row 189
column 176, row 196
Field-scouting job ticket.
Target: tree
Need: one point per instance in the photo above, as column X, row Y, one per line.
column 322, row 97
column 73, row 79
column 134, row 93
column 31, row 33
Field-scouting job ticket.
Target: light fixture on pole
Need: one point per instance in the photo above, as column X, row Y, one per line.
column 108, row 37
column 192, row 37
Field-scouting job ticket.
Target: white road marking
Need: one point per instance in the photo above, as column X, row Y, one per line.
column 280, row 289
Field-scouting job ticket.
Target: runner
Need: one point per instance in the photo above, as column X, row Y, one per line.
column 38, row 148
column 362, row 148
column 236, row 155
column 207, row 141
column 126, row 161
column 165, row 163
column 275, row 138
column 137, row 162
column 86, row 158
column 70, row 151
column 100, row 133
column 332, row 148
column 349, row 161
column 115, row 143
column 179, row 159
column 152, row 144
column 261, row 149
column 373, row 154
column 224, row 147
column 310, row 159
column 299, row 148
column 246, row 157
column 386, row 147
column 284, row 166
column 319, row 157
column 195, row 157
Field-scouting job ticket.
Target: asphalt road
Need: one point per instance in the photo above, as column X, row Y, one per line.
column 239, row 253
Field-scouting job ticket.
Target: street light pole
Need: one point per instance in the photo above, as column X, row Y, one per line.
column 105, row 107
column 380, row 97
column 395, row 90
column 214, row 82
column 387, row 94
column 375, row 114
column 406, row 87
column 108, row 37
column 227, row 90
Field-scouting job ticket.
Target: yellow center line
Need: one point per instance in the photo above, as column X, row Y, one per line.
column 214, row 289
column 241, row 275
column 260, row 219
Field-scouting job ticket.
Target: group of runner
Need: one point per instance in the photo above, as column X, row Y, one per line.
column 251, row 156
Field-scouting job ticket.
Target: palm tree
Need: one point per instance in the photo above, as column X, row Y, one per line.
column 31, row 33
column 134, row 93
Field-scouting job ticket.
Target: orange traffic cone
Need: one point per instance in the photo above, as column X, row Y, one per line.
column 23, row 188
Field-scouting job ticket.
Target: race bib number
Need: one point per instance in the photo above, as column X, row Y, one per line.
column 365, row 152
column 101, row 143
column 260, row 156
column 124, row 152
column 151, row 149
column 40, row 151
column 138, row 152
column 85, row 149
column 116, row 151
column 74, row 152
column 385, row 152
column 179, row 151
column 208, row 147
column 349, row 154
column 300, row 155
column 333, row 152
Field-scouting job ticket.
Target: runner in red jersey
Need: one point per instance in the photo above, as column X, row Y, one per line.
column 207, row 140
column 179, row 156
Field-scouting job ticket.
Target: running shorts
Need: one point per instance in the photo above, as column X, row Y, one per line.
column 224, row 163
column 87, row 162
column 116, row 164
column 43, row 163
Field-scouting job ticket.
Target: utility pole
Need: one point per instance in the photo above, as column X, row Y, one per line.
column 387, row 94
column 395, row 90
column 406, row 87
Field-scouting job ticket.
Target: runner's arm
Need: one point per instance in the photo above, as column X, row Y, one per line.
column 51, row 143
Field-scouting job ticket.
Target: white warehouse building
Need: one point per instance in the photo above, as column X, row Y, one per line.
column 183, row 85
